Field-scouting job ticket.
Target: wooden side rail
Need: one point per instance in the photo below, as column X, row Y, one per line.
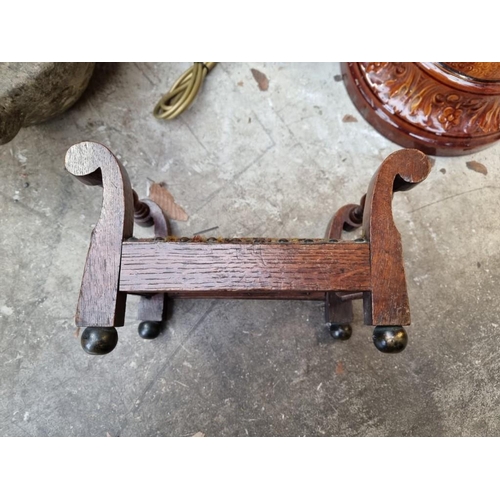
column 329, row 269
column 191, row 267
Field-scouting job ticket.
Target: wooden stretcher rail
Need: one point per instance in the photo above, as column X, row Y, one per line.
column 244, row 269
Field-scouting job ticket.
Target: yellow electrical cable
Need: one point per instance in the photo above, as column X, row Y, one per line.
column 183, row 91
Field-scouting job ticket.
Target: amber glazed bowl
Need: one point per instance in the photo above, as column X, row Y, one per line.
column 445, row 109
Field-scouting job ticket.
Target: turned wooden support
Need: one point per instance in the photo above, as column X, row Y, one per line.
column 338, row 309
column 142, row 212
column 255, row 268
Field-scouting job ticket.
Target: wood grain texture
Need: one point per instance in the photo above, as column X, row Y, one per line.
column 249, row 295
column 100, row 302
column 387, row 302
column 151, row 307
column 152, row 267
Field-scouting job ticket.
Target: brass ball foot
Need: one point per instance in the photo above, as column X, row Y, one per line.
column 99, row 340
column 340, row 331
column 390, row 339
column 149, row 329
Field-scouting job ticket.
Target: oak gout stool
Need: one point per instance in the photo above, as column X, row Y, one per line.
column 330, row 270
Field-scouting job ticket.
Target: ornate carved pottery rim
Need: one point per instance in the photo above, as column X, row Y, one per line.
column 459, row 81
column 469, row 117
column 402, row 131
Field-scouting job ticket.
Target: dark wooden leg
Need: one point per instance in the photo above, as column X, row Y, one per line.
column 338, row 316
column 152, row 313
column 152, row 308
column 338, row 312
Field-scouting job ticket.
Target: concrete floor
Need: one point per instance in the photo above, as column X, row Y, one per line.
column 254, row 163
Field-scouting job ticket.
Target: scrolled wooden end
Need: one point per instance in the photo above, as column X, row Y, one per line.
column 410, row 167
column 400, row 171
column 86, row 159
column 387, row 303
column 100, row 303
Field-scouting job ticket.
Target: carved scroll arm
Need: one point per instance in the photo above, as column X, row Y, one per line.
column 100, row 302
column 387, row 302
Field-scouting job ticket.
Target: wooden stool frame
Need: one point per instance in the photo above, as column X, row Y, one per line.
column 330, row 269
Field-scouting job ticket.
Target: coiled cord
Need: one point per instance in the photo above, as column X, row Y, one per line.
column 183, row 91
